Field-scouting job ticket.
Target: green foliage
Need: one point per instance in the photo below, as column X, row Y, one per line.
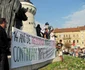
column 69, row 63
column 67, row 45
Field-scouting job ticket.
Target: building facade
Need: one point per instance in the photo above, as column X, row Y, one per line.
column 74, row 36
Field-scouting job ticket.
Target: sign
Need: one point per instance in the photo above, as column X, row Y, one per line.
column 27, row 49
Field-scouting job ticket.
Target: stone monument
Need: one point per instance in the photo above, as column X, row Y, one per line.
column 12, row 11
column 29, row 25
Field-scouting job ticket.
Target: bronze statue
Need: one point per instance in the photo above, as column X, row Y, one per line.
column 11, row 9
column 20, row 15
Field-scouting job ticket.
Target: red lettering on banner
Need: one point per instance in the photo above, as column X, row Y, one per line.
column 37, row 41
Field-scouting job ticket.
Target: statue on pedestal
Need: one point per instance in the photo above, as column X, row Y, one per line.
column 13, row 12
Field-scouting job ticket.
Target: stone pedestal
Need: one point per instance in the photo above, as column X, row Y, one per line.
column 29, row 25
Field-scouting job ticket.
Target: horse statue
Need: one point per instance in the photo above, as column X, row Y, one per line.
column 13, row 12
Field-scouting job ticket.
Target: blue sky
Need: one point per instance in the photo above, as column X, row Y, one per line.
column 60, row 13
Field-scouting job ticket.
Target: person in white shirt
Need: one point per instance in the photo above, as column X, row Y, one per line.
column 59, row 47
column 52, row 36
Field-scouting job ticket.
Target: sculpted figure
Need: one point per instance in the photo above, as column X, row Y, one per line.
column 20, row 15
column 10, row 9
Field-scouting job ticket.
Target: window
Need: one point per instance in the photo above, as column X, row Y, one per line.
column 66, row 35
column 82, row 42
column 77, row 41
column 77, row 35
column 69, row 36
column 33, row 11
column 69, row 41
column 73, row 35
column 73, row 41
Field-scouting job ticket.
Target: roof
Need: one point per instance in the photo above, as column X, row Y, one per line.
column 77, row 29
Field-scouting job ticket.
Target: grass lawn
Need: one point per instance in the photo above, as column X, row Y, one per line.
column 69, row 63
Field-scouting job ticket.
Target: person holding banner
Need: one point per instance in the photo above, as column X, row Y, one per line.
column 52, row 35
column 4, row 45
column 46, row 34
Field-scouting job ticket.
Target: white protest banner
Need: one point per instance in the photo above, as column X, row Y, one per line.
column 27, row 49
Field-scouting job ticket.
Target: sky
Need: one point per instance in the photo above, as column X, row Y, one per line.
column 60, row 13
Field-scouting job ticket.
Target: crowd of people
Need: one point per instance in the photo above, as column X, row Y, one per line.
column 5, row 42
column 76, row 52
column 46, row 32
column 73, row 51
column 49, row 34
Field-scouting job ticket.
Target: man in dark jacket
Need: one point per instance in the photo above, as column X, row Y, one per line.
column 3, row 46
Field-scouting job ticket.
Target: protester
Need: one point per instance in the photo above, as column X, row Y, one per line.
column 59, row 47
column 38, row 30
column 47, row 25
column 46, row 34
column 43, row 27
column 84, row 50
column 4, row 46
column 52, row 36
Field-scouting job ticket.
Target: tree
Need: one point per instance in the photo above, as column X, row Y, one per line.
column 67, row 46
